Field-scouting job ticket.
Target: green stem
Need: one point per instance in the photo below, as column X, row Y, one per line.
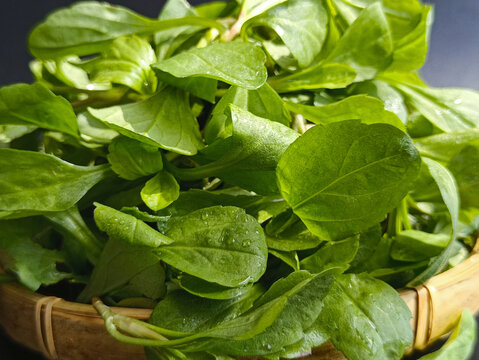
column 403, row 209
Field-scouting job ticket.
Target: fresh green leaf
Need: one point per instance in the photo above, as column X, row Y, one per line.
column 236, row 63
column 366, row 318
column 119, row 264
column 248, row 157
column 329, row 76
column 366, row 45
column 344, row 177
column 123, row 227
column 444, row 147
column 126, row 61
column 464, row 167
column 365, row 108
column 450, row 196
column 301, row 25
column 449, row 109
column 218, row 244
column 34, row 183
column 23, row 104
column 164, row 120
column 263, row 102
column 131, row 159
column 336, row 254
column 89, row 27
column 160, row 191
column 414, row 245
column 33, row 265
column 210, row 290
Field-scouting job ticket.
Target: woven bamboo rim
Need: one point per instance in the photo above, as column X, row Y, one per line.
column 71, row 331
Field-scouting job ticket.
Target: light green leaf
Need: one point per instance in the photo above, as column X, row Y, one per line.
column 263, row 102
column 237, row 63
column 210, row 290
column 126, row 61
column 131, row 159
column 366, row 45
column 410, row 51
column 223, row 245
column 8, row 133
column 329, row 76
column 23, row 104
column 449, row 109
column 127, row 228
column 450, row 196
column 34, row 182
column 444, row 147
column 89, row 27
column 362, row 107
column 160, row 191
column 414, row 245
column 164, row 120
column 366, row 318
column 460, row 345
column 464, row 167
column 93, row 130
column 301, row 25
column 391, row 98
column 344, row 177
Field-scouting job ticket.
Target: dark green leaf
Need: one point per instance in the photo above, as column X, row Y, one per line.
column 131, row 159
column 344, row 177
column 34, row 182
column 23, row 104
column 218, row 244
column 366, row 318
column 336, row 254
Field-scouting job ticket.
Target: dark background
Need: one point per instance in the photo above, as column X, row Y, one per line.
column 453, row 61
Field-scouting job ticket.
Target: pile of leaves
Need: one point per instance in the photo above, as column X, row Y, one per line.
column 261, row 173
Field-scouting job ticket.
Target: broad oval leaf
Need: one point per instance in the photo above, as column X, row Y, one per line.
column 33, row 182
column 366, row 318
column 344, row 177
column 219, row 244
column 160, row 191
column 131, row 159
column 23, row 104
column 164, row 120
column 237, row 63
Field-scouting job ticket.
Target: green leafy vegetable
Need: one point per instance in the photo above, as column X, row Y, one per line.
column 160, row 191
column 355, row 175
column 164, row 120
column 33, row 182
column 23, row 104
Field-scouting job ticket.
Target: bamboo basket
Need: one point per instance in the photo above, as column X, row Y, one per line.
column 71, row 331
